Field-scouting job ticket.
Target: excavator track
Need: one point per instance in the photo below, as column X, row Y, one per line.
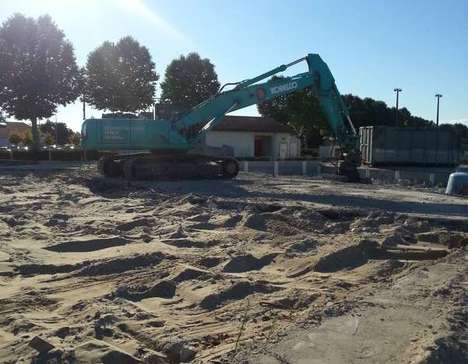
column 168, row 167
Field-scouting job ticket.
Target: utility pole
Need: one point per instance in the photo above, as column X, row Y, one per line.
column 397, row 91
column 84, row 108
column 56, row 130
column 438, row 96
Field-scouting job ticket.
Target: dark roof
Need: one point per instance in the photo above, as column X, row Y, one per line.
column 257, row 124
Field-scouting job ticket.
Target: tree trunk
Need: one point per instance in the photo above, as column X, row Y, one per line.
column 35, row 138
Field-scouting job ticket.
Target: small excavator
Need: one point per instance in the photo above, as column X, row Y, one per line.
column 175, row 149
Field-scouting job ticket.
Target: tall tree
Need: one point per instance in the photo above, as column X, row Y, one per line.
column 38, row 69
column 59, row 131
column 120, row 77
column 189, row 80
column 301, row 111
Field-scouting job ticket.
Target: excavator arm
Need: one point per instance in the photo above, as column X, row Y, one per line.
column 249, row 92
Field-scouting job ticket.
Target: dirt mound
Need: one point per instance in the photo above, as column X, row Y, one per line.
column 189, row 243
column 33, row 269
column 97, row 351
column 191, row 273
column 88, row 245
column 145, row 221
column 339, row 214
column 357, row 255
column 119, row 265
column 278, row 223
column 245, row 263
column 399, row 235
column 295, row 300
column 303, row 246
column 444, row 237
column 448, row 350
column 237, row 291
column 210, row 262
column 163, row 289
column 255, row 221
column 347, row 258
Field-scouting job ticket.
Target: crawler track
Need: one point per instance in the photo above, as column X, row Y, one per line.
column 168, row 167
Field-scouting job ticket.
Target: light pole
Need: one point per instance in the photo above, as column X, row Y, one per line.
column 438, row 96
column 397, row 91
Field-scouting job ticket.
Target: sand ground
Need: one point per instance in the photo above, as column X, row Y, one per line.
column 253, row 270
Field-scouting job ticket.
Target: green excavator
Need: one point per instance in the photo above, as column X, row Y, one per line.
column 175, row 149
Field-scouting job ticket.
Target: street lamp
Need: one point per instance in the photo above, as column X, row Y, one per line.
column 397, row 90
column 438, row 96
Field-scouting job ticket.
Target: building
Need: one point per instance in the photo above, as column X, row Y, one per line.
column 255, row 137
column 8, row 128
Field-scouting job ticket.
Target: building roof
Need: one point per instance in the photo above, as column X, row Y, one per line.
column 257, row 124
column 13, row 127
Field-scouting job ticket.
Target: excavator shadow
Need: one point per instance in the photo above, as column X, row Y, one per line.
column 118, row 187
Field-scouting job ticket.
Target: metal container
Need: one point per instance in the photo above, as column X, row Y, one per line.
column 382, row 145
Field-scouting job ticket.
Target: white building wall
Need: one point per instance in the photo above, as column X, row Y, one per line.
column 242, row 142
column 284, row 145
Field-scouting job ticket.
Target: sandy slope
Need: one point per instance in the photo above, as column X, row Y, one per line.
column 108, row 271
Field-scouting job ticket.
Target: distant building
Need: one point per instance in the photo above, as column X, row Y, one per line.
column 9, row 128
column 255, row 137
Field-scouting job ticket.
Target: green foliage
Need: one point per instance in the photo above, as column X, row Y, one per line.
column 189, row 80
column 28, row 139
column 120, row 77
column 14, row 139
column 49, row 139
column 60, row 131
column 38, row 69
column 367, row 112
column 299, row 110
column 459, row 129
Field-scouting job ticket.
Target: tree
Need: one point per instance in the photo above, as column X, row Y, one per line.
column 75, row 139
column 14, row 139
column 38, row 69
column 60, row 130
column 28, row 139
column 299, row 110
column 189, row 80
column 48, row 140
column 368, row 112
column 120, row 77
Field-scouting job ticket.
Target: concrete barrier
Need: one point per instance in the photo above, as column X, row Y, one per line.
column 415, row 175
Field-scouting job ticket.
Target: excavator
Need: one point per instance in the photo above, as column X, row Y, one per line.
column 175, row 149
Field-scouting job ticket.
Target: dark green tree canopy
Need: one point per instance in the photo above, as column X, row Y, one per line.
column 59, row 131
column 120, row 77
column 301, row 111
column 367, row 111
column 189, row 80
column 38, row 69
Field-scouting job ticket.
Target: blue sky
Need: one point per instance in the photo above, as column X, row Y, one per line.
column 371, row 46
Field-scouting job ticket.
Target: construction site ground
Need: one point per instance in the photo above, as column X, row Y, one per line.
column 251, row 270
